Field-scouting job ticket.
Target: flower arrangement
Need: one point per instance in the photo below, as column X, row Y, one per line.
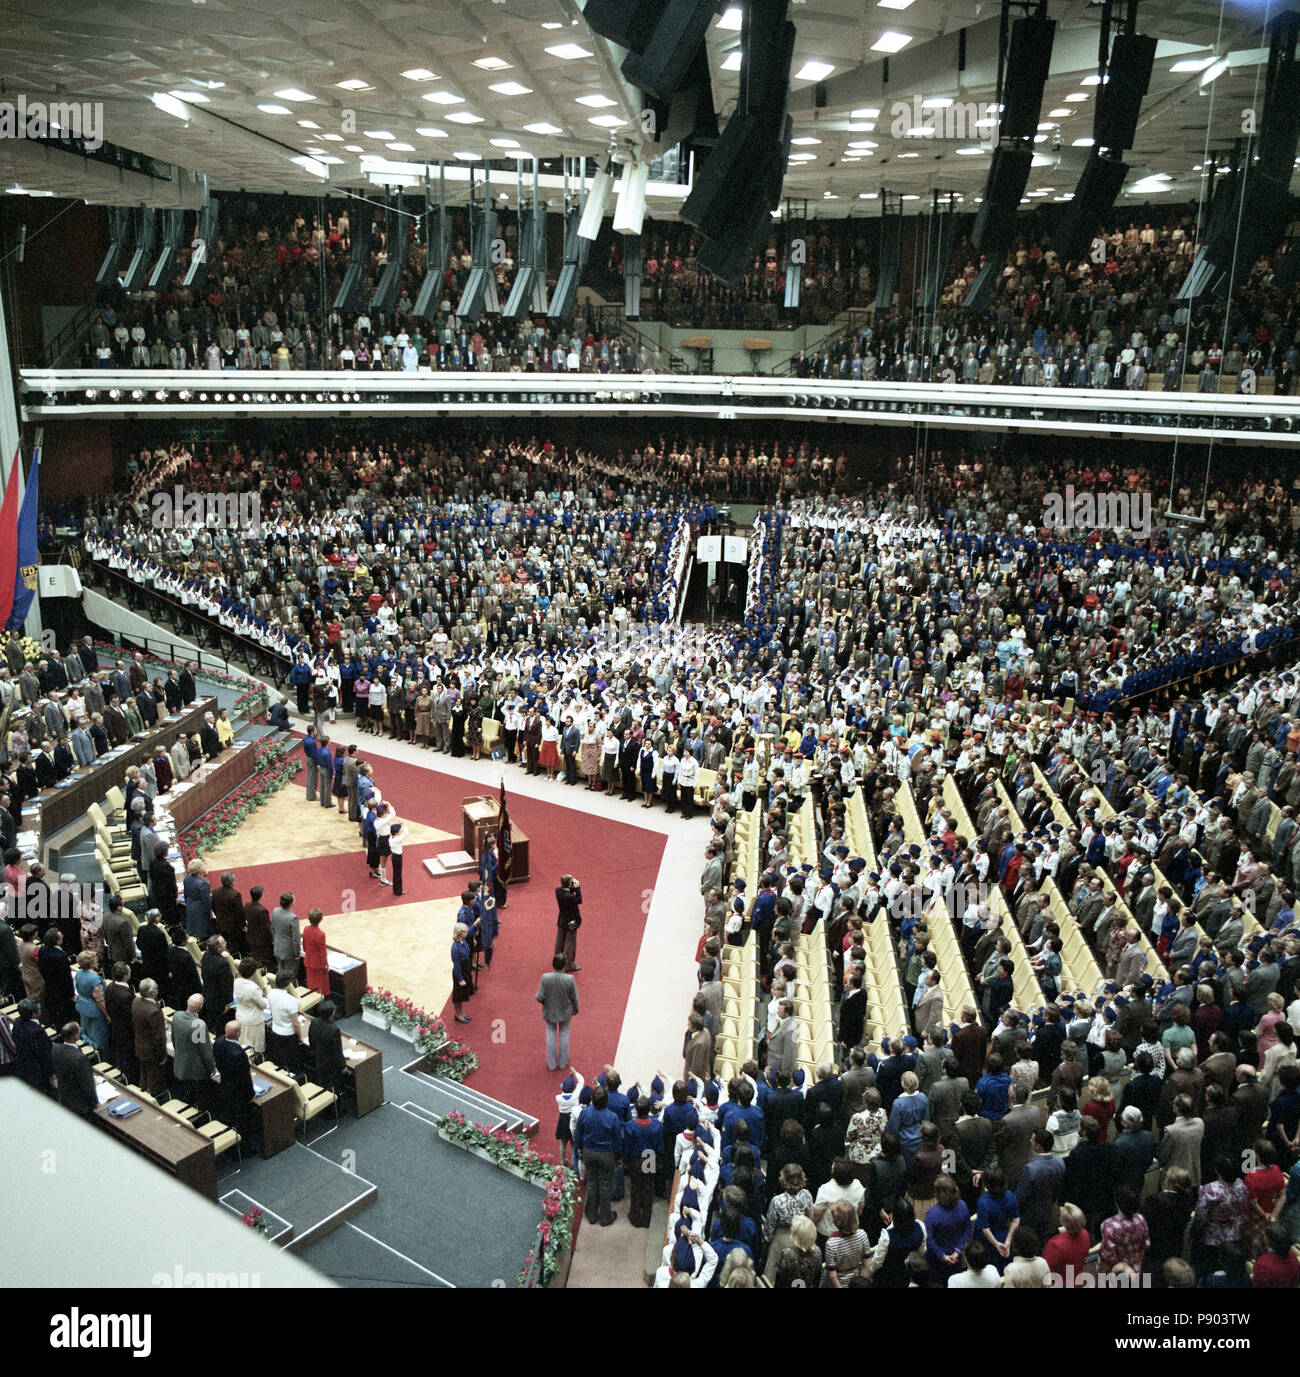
column 404, row 1013
column 452, row 1060
column 256, row 1221
column 378, row 1001
column 445, row 1055
column 559, row 1194
column 274, row 765
column 30, row 646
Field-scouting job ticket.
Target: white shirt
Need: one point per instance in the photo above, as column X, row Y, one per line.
column 283, row 1007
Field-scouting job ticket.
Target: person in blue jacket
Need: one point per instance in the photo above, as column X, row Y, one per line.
column 599, row 1137
column 643, row 1148
column 462, row 972
column 313, row 768
column 301, row 678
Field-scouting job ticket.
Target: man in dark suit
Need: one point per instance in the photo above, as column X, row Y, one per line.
column 37, row 904
column 182, row 974
column 32, row 1047
column 568, row 897
column 186, row 680
column 209, row 739
column 118, row 999
column 228, row 913
column 783, row 1102
column 147, row 705
column 826, row 1090
column 236, row 1086
column 889, row 1072
column 969, row 1045
column 119, row 936
column 172, row 692
column 73, row 1073
column 1040, row 1184
column 1090, row 1176
column 326, row 1044
column 115, row 725
column 120, row 682
column 257, row 924
column 150, row 1039
column 11, row 980
column 218, row 984
column 853, row 1013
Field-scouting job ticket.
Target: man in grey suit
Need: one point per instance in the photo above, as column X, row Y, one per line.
column 286, row 937
column 1015, row 1133
column 711, row 989
column 783, row 1044
column 711, row 878
column 192, row 1061
column 441, row 712
column 558, row 995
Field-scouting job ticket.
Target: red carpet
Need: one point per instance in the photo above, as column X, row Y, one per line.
column 617, row 863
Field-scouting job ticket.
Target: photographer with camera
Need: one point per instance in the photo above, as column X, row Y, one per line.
column 567, row 922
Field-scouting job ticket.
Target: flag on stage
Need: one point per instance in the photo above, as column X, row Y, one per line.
column 24, row 585
column 9, row 541
column 505, row 841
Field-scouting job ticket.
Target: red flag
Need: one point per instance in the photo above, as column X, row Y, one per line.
column 9, row 540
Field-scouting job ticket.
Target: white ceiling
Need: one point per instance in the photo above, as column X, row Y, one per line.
column 240, row 53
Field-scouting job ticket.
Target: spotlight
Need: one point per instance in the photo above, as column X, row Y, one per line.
column 184, row 394
column 246, row 397
column 203, row 396
column 160, row 395
column 114, row 395
column 230, row 396
column 137, row 394
column 91, row 394
column 259, row 398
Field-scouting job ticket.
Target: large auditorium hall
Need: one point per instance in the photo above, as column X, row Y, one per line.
column 649, row 646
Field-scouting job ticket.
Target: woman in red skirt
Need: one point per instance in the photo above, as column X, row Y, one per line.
column 314, row 954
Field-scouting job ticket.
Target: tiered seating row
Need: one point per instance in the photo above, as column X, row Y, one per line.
column 953, row 976
column 1028, row 992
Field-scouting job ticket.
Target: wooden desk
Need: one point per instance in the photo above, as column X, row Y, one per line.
column 367, row 1070
column 347, row 986
column 91, row 782
column 277, row 1109
column 210, row 783
column 478, row 818
column 367, row 1074
column 167, row 1142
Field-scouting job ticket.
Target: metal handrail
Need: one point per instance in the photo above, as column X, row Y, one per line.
column 71, row 335
column 253, row 652
column 856, row 315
